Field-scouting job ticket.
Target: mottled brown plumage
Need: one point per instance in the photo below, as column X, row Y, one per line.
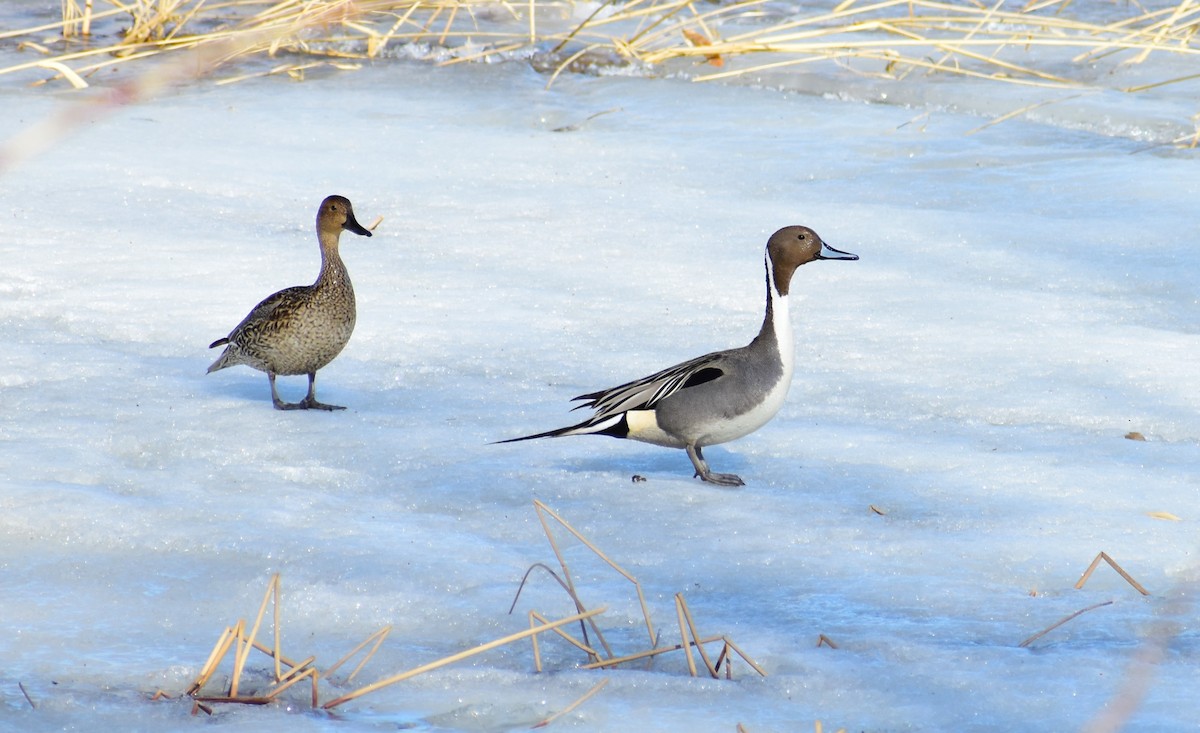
column 301, row 329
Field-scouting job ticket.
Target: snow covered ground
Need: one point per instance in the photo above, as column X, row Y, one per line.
column 1026, row 296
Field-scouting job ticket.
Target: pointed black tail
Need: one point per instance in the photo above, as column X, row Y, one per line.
column 614, row 425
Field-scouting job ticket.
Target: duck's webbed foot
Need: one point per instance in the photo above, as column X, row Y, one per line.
column 310, row 400
column 308, row 403
column 712, row 477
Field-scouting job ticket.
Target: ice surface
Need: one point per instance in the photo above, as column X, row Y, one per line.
column 1027, row 295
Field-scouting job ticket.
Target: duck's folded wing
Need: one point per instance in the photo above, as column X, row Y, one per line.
column 645, row 393
column 272, row 302
column 262, row 312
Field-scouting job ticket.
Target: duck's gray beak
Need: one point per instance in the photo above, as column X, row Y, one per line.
column 353, row 225
column 829, row 253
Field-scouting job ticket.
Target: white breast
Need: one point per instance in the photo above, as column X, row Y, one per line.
column 747, row 422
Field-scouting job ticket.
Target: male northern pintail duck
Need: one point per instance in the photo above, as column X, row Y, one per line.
column 301, row 329
column 720, row 396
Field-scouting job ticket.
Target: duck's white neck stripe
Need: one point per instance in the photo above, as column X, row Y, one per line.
column 781, row 322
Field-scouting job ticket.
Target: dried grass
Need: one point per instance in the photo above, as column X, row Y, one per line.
column 823, row 640
column 28, row 699
column 241, row 639
column 241, row 642
column 1035, row 44
column 1102, row 556
column 690, row 638
column 400, row 677
column 236, row 639
column 235, row 40
column 1113, row 564
column 1062, row 621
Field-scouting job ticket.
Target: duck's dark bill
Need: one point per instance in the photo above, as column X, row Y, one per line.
column 353, row 225
column 829, row 253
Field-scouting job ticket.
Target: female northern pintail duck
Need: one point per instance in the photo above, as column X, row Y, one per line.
column 301, row 329
column 720, row 396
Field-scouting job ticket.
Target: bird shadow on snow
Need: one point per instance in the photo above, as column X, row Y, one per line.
column 245, row 388
column 253, row 387
column 661, row 463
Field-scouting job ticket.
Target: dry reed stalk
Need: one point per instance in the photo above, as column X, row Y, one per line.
column 1191, row 140
column 484, row 53
column 1164, row 28
column 884, row 51
column 277, row 650
column 537, row 652
column 296, row 71
column 567, row 63
column 690, row 632
column 224, row 641
column 298, row 672
column 826, row 641
column 525, row 579
column 579, row 125
column 245, row 645
column 979, row 24
column 649, row 653
column 581, row 646
column 727, row 659
column 458, row 657
column 309, row 673
column 570, row 590
column 73, row 19
column 63, row 26
column 579, row 701
column 544, row 510
column 25, row 692
column 562, row 562
column 230, row 699
column 686, row 643
column 271, row 653
column 745, row 657
column 1020, row 112
column 614, row 661
column 1113, row 564
column 601, row 7
column 724, row 658
column 378, row 636
column 1062, row 621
